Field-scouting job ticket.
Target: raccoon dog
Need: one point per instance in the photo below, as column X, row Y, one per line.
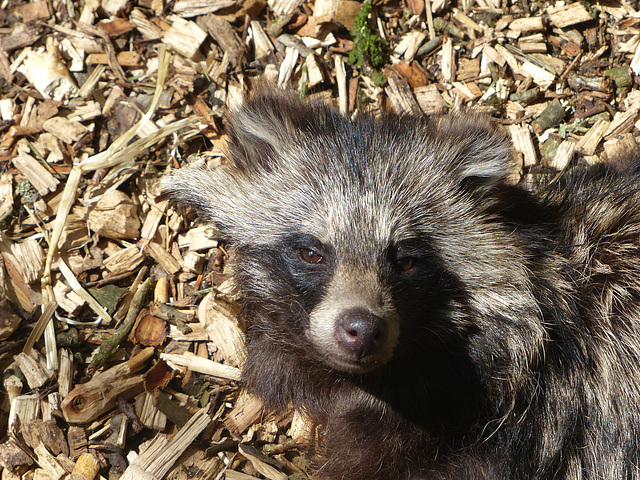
column 431, row 319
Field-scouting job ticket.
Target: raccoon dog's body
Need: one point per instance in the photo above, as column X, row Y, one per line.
column 434, row 321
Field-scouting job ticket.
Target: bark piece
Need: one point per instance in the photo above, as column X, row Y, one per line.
column 550, row 117
column 12, row 456
column 224, row 35
column 89, row 400
column 21, row 36
column 47, row 433
column 77, row 439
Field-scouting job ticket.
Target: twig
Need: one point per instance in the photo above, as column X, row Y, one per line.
column 110, row 346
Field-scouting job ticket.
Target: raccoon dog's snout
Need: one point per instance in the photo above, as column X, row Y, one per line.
column 356, row 326
column 360, row 333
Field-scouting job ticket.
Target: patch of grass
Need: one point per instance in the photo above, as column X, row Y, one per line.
column 368, row 54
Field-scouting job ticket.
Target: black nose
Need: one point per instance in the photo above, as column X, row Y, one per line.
column 360, row 333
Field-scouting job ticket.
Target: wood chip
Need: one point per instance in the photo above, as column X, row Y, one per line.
column 149, row 414
column 563, row 155
column 66, row 130
column 527, row 24
column 539, row 75
column 284, row 7
column 447, row 61
column 590, row 141
column 48, row 463
column 41, row 179
column 247, row 410
column 89, row 400
column 569, row 15
column 523, row 143
column 114, row 216
column 33, row 369
column 400, row 94
column 218, row 314
column 66, row 298
column 203, row 365
column 509, row 58
column 430, row 100
column 224, row 35
column 621, row 148
column 195, row 8
column 156, row 461
column 623, row 122
column 199, row 238
column 260, row 465
column 148, row 30
column 184, row 36
column 126, row 260
column 316, row 74
column 262, row 42
column 49, row 75
column 87, row 466
column 28, row 254
column 125, row 59
column 409, row 45
column 167, row 261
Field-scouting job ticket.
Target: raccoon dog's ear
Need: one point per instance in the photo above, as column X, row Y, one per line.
column 483, row 154
column 264, row 123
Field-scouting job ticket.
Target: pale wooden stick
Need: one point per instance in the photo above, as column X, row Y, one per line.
column 86, row 296
column 203, row 365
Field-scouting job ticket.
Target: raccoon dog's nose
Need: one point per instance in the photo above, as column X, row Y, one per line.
column 360, row 333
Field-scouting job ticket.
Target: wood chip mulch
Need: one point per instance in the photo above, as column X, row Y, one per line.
column 120, row 338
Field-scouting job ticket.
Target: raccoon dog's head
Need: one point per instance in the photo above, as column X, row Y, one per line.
column 365, row 236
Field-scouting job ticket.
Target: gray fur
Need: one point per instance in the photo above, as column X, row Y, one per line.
column 512, row 349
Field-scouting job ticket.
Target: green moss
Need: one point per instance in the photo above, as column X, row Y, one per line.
column 368, row 54
column 578, row 126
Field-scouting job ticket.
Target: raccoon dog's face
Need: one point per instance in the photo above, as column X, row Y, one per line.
column 362, row 237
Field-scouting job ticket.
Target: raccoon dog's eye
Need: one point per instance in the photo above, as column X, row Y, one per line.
column 405, row 264
column 311, row 256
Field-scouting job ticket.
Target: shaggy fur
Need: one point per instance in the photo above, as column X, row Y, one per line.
column 506, row 323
